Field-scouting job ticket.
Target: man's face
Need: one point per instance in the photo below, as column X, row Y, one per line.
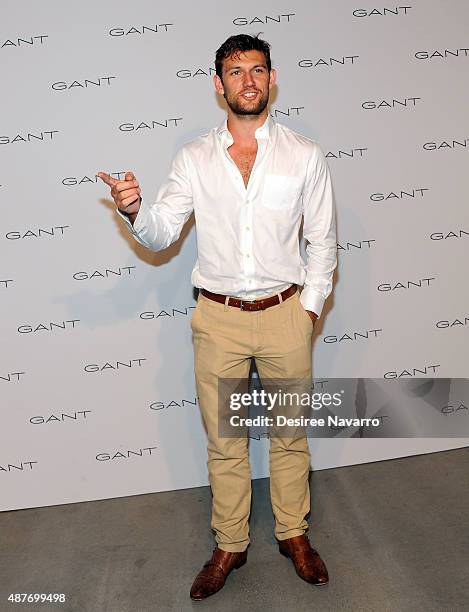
column 246, row 82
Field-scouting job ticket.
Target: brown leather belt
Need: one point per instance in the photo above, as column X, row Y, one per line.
column 250, row 304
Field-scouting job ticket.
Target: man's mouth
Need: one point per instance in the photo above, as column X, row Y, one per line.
column 249, row 95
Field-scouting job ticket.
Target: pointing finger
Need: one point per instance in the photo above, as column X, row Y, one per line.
column 107, row 178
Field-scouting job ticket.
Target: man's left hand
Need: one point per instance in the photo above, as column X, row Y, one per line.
column 312, row 315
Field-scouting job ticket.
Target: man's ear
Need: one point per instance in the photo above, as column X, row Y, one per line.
column 272, row 78
column 218, row 85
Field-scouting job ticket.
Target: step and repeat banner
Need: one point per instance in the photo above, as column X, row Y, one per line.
column 96, row 367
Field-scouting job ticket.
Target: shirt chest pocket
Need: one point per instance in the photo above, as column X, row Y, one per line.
column 281, row 192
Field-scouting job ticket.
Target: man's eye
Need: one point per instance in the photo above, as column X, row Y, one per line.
column 235, row 72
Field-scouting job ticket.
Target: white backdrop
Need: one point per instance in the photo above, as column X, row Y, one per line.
column 96, row 370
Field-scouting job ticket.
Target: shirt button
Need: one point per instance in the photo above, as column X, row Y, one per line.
column 247, row 227
column 247, row 255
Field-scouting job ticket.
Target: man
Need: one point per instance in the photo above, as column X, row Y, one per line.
column 249, row 183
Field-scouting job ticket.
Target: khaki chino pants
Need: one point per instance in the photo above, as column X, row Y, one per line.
column 225, row 338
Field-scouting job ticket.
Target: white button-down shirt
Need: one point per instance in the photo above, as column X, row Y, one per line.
column 248, row 237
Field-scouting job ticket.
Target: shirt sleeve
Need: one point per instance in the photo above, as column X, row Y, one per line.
column 319, row 229
column 159, row 225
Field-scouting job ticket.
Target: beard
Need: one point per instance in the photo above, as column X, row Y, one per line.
column 245, row 107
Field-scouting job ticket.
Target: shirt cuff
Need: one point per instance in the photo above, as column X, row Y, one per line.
column 312, row 300
column 141, row 220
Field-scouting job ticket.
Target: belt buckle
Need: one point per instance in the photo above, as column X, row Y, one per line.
column 248, row 302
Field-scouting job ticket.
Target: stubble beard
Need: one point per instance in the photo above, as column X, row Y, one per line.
column 237, row 107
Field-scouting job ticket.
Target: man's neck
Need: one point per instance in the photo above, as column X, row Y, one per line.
column 243, row 128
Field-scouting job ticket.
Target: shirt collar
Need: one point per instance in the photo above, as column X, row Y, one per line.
column 263, row 132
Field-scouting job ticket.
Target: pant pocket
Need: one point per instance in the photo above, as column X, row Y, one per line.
column 304, row 314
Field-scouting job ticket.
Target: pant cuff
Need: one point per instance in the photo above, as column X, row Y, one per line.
column 286, row 535
column 237, row 547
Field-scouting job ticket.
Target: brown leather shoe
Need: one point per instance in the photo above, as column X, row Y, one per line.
column 212, row 576
column 308, row 564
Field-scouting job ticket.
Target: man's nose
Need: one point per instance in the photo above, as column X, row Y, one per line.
column 248, row 79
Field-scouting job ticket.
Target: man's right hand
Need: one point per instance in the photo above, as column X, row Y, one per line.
column 126, row 193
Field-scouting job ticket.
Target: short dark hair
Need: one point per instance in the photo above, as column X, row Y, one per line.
column 239, row 44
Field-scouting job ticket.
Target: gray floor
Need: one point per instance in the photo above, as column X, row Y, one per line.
column 394, row 535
